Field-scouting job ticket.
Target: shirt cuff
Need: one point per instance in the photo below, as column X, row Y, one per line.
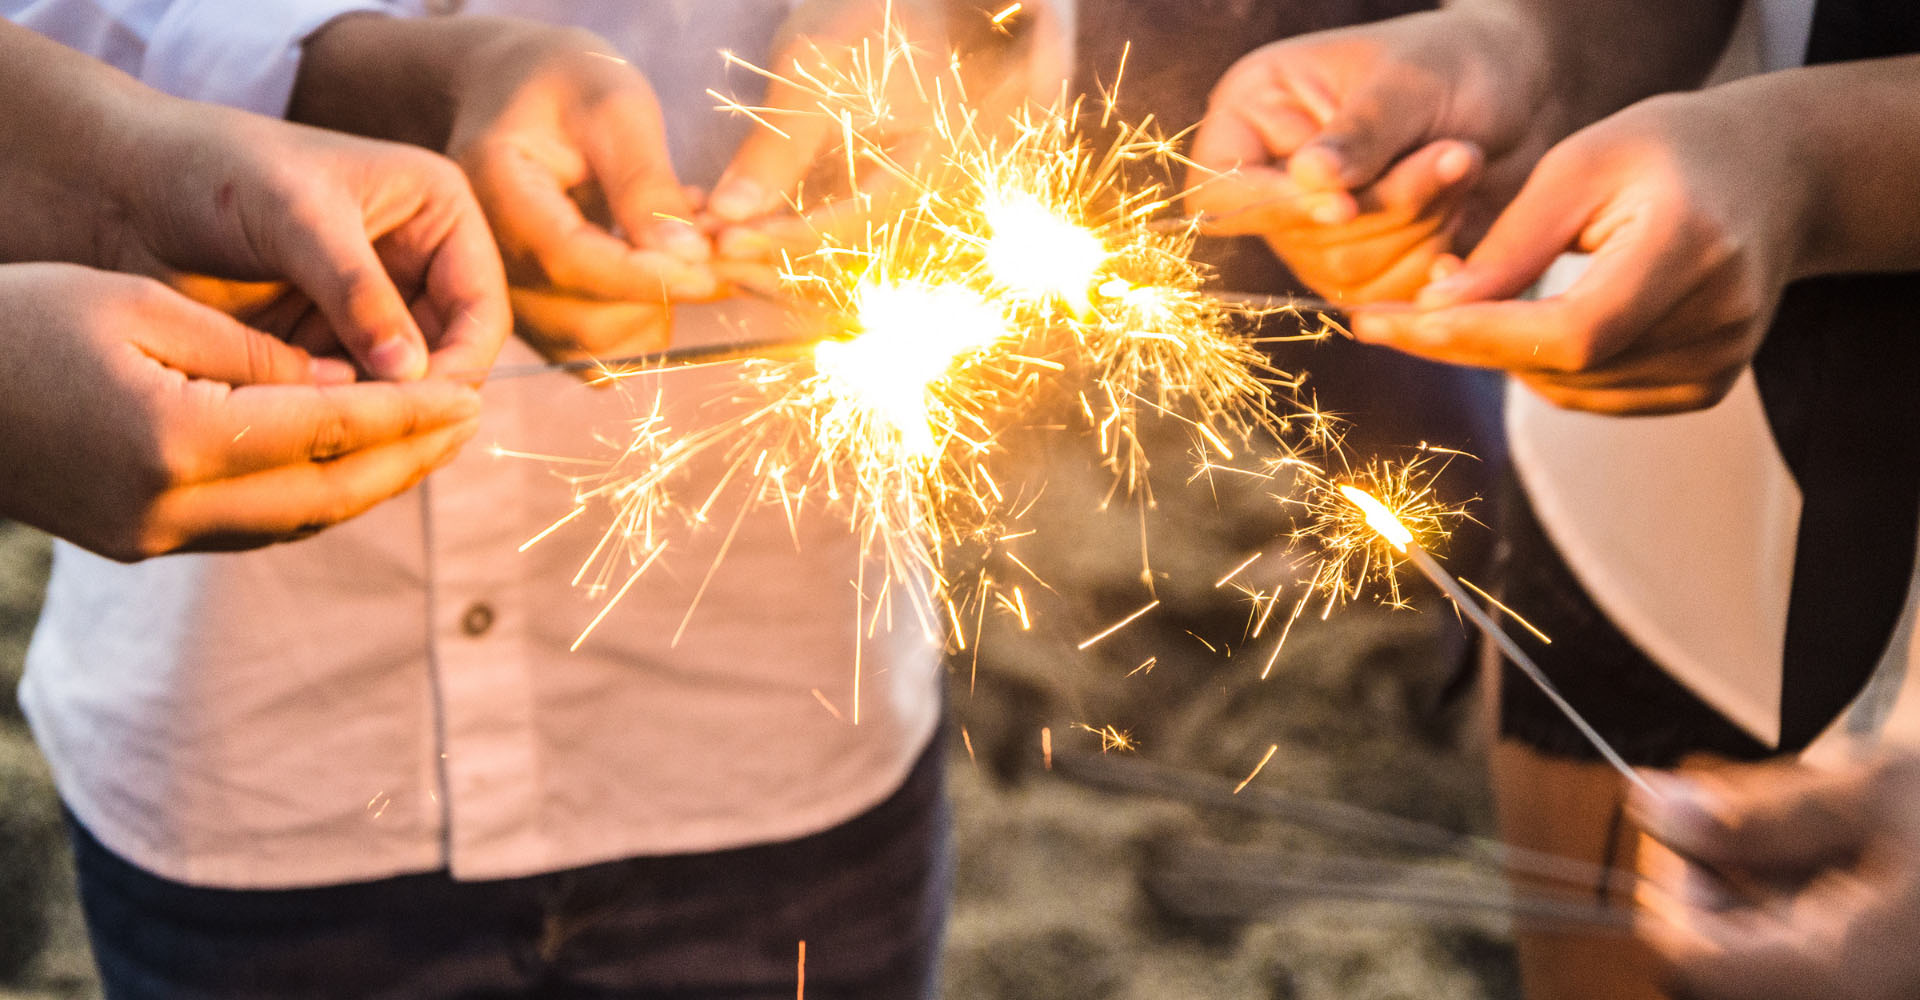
column 240, row 53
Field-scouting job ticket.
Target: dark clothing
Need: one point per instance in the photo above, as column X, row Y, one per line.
column 1839, row 376
column 869, row 897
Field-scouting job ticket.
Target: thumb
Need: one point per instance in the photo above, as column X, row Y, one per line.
column 1780, row 817
column 1373, row 128
column 1544, row 220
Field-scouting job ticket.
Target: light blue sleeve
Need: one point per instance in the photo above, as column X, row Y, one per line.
column 242, row 53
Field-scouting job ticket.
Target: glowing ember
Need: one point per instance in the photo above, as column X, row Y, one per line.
column 1379, row 518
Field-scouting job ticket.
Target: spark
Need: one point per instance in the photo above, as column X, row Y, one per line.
column 1111, row 737
column 1007, row 14
column 1117, row 626
column 1257, row 768
column 1046, row 746
column 1146, row 666
column 1501, row 607
column 1250, row 560
column 992, row 274
column 831, row 708
column 1363, row 544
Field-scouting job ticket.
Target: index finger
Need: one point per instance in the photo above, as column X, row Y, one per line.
column 1622, row 295
column 467, row 289
column 537, row 221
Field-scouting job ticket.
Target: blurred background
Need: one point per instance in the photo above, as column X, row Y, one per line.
column 1133, row 874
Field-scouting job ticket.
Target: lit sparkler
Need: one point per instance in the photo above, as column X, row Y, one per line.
column 1010, row 269
column 1388, row 525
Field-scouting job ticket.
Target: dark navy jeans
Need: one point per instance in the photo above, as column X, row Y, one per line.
column 869, row 897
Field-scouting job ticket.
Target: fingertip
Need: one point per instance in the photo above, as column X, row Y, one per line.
column 681, row 240
column 745, row 243
column 1317, row 167
column 738, row 199
column 397, row 358
column 1678, row 811
column 1444, row 292
column 1456, row 161
column 1333, row 208
column 331, row 371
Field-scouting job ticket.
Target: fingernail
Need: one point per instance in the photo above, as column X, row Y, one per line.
column 397, row 359
column 744, row 243
column 465, row 407
column 681, row 240
column 692, row 283
column 1677, row 810
column 1317, row 165
column 331, row 371
column 1331, row 211
column 1444, row 266
column 1454, row 163
column 737, row 200
column 1445, row 292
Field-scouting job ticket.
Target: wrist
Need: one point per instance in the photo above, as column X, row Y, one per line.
column 378, row 76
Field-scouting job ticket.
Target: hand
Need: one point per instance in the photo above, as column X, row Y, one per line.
column 566, row 149
column 1692, row 207
column 1829, row 864
column 385, row 240
column 804, row 165
column 134, row 422
column 1354, row 152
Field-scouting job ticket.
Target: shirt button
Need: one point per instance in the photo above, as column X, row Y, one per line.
column 477, row 619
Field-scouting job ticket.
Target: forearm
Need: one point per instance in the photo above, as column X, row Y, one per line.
column 61, row 117
column 385, row 77
column 404, row 79
column 1853, row 128
column 1599, row 57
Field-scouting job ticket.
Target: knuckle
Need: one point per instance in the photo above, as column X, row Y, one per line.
column 329, row 438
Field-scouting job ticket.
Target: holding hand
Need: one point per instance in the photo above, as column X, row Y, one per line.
column 1692, row 207
column 1354, row 152
column 386, row 241
column 140, row 423
column 565, row 148
column 805, row 163
column 1829, row 863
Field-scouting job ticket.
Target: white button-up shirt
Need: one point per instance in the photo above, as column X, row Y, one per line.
column 396, row 694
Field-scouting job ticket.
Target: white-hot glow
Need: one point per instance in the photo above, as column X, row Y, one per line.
column 911, row 335
column 1379, row 518
column 1034, row 253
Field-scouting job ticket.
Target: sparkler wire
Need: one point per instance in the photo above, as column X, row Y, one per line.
column 1478, row 615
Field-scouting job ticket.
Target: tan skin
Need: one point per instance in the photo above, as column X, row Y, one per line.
column 139, row 421
column 1698, row 208
column 1828, row 904
column 565, row 148
column 384, row 240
